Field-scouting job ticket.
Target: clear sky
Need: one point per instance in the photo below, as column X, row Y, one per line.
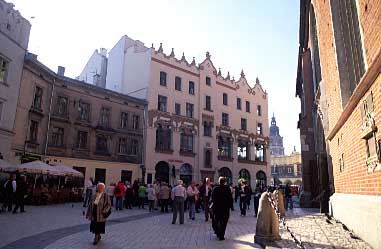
column 258, row 36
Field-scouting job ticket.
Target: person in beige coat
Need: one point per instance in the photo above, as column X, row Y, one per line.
column 98, row 211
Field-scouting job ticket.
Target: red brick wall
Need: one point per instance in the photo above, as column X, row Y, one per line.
column 355, row 178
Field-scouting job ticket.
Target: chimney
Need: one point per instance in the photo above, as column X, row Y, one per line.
column 103, row 51
column 61, row 71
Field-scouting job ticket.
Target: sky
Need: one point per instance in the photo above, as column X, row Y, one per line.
column 258, row 36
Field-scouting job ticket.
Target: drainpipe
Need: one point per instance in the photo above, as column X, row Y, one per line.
column 49, row 117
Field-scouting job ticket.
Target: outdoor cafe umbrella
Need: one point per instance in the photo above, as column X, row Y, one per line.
column 38, row 167
column 7, row 167
column 68, row 171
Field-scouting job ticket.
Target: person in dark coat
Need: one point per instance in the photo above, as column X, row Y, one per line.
column 221, row 202
column 243, row 193
column 97, row 212
column 21, row 191
column 288, row 197
column 257, row 195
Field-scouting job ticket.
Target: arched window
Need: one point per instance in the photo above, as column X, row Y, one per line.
column 245, row 174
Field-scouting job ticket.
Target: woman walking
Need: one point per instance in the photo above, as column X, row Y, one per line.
column 98, row 211
column 192, row 193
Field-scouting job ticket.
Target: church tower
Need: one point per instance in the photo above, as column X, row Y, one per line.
column 276, row 141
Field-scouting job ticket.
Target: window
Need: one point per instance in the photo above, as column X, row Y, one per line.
column 101, row 144
column 208, row 159
column 122, row 146
column 243, row 150
column 163, row 78
column 126, row 175
column 33, row 131
column 247, row 106
column 350, row 58
column 208, row 81
column 371, row 147
column 124, row 120
column 105, row 116
column 224, row 147
column 190, row 108
column 239, row 106
column 162, row 103
column 177, row 109
column 259, row 110
column 177, row 83
column 289, row 170
column 186, row 142
column 208, row 129
column 208, row 104
column 134, row 147
column 62, row 104
column 260, row 152
column 37, row 100
column 224, row 99
column 84, row 111
column 163, row 137
column 243, row 124
column 3, row 70
column 81, row 140
column 57, row 136
column 191, row 87
column 135, row 122
column 225, row 119
column 259, row 129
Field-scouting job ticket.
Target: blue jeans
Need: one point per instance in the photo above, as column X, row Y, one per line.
column 288, row 202
column 89, row 194
column 192, row 209
column 119, row 203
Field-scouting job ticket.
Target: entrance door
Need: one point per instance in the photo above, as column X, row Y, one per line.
column 226, row 172
column 245, row 174
column 162, row 171
column 261, row 179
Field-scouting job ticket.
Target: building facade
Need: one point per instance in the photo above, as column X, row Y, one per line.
column 287, row 168
column 95, row 69
column 338, row 80
column 65, row 121
column 276, row 140
column 14, row 38
column 199, row 123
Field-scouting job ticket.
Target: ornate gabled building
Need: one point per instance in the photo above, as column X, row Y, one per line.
column 276, row 140
column 200, row 124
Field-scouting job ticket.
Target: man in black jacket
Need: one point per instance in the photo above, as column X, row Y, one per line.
column 221, row 202
column 21, row 191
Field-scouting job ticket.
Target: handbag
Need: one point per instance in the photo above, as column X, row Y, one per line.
column 107, row 214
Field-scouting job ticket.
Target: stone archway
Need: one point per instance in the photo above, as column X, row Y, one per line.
column 245, row 174
column 261, row 180
column 226, row 172
column 298, row 182
column 186, row 173
column 162, row 171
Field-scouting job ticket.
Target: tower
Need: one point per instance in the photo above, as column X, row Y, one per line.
column 276, row 141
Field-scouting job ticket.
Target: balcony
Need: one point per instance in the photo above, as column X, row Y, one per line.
column 163, row 150
column 225, row 158
column 36, row 110
column 246, row 160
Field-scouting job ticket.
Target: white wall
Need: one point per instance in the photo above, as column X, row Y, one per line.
column 115, row 66
column 96, row 65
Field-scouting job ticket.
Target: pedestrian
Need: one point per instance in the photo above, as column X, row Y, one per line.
column 89, row 192
column 257, row 195
column 205, row 192
column 129, row 195
column 236, row 188
column 221, row 202
column 192, row 197
column 198, row 201
column 110, row 192
column 20, row 195
column 178, row 196
column 10, row 187
column 232, row 190
column 98, row 211
column 135, row 186
column 119, row 193
column 142, row 195
column 248, row 196
column 288, row 197
column 151, row 197
column 242, row 198
column 164, row 197
column 156, row 186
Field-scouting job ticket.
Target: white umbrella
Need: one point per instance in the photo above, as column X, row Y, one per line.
column 7, row 167
column 38, row 167
column 68, row 170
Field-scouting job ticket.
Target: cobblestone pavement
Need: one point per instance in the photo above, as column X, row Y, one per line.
column 315, row 230
column 63, row 226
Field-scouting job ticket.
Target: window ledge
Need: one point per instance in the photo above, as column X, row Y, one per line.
column 224, row 158
column 188, row 154
column 248, row 161
column 207, row 110
column 164, row 151
column 260, row 162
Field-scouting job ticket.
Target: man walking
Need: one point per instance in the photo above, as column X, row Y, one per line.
column 10, row 190
column 288, row 196
column 119, row 194
column 205, row 192
column 178, row 196
column 222, row 201
column 164, row 197
column 243, row 198
column 21, row 191
column 89, row 192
